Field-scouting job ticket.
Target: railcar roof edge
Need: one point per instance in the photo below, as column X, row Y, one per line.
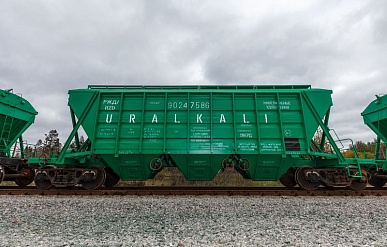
column 379, row 104
column 198, row 87
column 7, row 97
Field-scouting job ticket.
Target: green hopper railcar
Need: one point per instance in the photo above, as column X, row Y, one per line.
column 263, row 132
column 16, row 115
column 375, row 116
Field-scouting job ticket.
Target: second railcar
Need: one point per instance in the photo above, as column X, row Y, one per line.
column 16, row 115
column 375, row 117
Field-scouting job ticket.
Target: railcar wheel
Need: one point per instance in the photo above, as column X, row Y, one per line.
column 96, row 180
column 112, row 178
column 288, row 179
column 306, row 179
column 375, row 181
column 41, row 179
column 29, row 176
column 359, row 183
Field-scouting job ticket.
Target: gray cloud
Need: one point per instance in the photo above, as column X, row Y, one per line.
column 49, row 47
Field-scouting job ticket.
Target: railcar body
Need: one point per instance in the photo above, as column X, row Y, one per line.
column 264, row 132
column 16, row 115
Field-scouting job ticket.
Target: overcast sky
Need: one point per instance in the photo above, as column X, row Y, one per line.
column 49, row 47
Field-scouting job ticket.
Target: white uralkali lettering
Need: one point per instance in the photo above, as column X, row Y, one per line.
column 222, row 118
column 109, row 120
column 244, row 119
column 154, row 119
column 131, row 118
column 199, row 118
column 176, row 119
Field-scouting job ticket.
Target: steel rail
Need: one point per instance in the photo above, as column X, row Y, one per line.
column 194, row 191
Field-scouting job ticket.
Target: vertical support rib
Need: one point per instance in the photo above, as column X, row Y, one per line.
column 233, row 115
column 257, row 117
column 142, row 123
column 302, row 103
column 165, row 123
column 211, row 128
column 119, row 125
column 188, row 108
column 95, row 125
column 280, row 124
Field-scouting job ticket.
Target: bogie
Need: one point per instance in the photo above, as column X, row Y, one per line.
column 309, row 178
column 90, row 178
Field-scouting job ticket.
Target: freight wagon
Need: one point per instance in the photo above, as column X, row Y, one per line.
column 375, row 117
column 263, row 132
column 16, row 115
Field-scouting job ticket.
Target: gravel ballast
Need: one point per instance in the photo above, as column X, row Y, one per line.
column 192, row 221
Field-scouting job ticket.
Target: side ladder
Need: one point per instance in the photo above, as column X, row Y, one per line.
column 7, row 126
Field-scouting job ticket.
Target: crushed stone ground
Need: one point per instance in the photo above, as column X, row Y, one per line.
column 192, row 221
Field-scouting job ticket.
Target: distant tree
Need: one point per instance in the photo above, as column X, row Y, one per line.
column 50, row 145
column 73, row 145
column 317, row 138
column 28, row 152
column 366, row 150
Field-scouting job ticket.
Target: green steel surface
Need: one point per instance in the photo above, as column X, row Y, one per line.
column 16, row 115
column 375, row 116
column 197, row 127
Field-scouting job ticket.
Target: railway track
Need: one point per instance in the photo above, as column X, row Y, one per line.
column 215, row 191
